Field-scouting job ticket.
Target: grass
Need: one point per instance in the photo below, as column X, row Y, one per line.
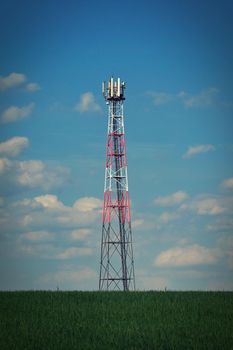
column 116, row 320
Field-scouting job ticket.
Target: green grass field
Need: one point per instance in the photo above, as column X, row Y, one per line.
column 116, row 320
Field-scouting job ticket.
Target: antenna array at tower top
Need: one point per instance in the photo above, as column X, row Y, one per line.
column 114, row 89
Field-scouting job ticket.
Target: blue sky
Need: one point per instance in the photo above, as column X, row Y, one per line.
column 176, row 58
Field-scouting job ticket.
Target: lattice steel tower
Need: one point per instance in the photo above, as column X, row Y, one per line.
column 117, row 264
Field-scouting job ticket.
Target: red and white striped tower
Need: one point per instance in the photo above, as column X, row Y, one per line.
column 117, row 264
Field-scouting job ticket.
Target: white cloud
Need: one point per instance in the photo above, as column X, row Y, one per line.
column 4, row 165
column 30, row 174
column 160, row 98
column 208, row 206
column 14, row 113
column 166, row 217
column 35, row 249
column 32, row 87
column 228, row 183
column 137, row 223
column 189, row 255
column 26, row 220
column 87, row 103
column 172, row 199
column 50, row 208
column 73, row 252
column 48, row 245
column 73, row 217
column 48, row 211
column 35, row 173
column 87, row 204
column 193, row 150
column 50, row 201
column 35, row 236
column 205, row 98
column 80, row 234
column 42, row 245
column 68, row 276
column 221, row 225
column 11, row 80
column 13, row 146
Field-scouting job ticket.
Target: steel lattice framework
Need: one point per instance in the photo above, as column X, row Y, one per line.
column 117, row 264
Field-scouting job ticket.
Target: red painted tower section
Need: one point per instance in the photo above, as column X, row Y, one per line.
column 117, row 264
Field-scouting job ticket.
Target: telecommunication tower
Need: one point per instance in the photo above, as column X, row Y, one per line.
column 116, row 264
